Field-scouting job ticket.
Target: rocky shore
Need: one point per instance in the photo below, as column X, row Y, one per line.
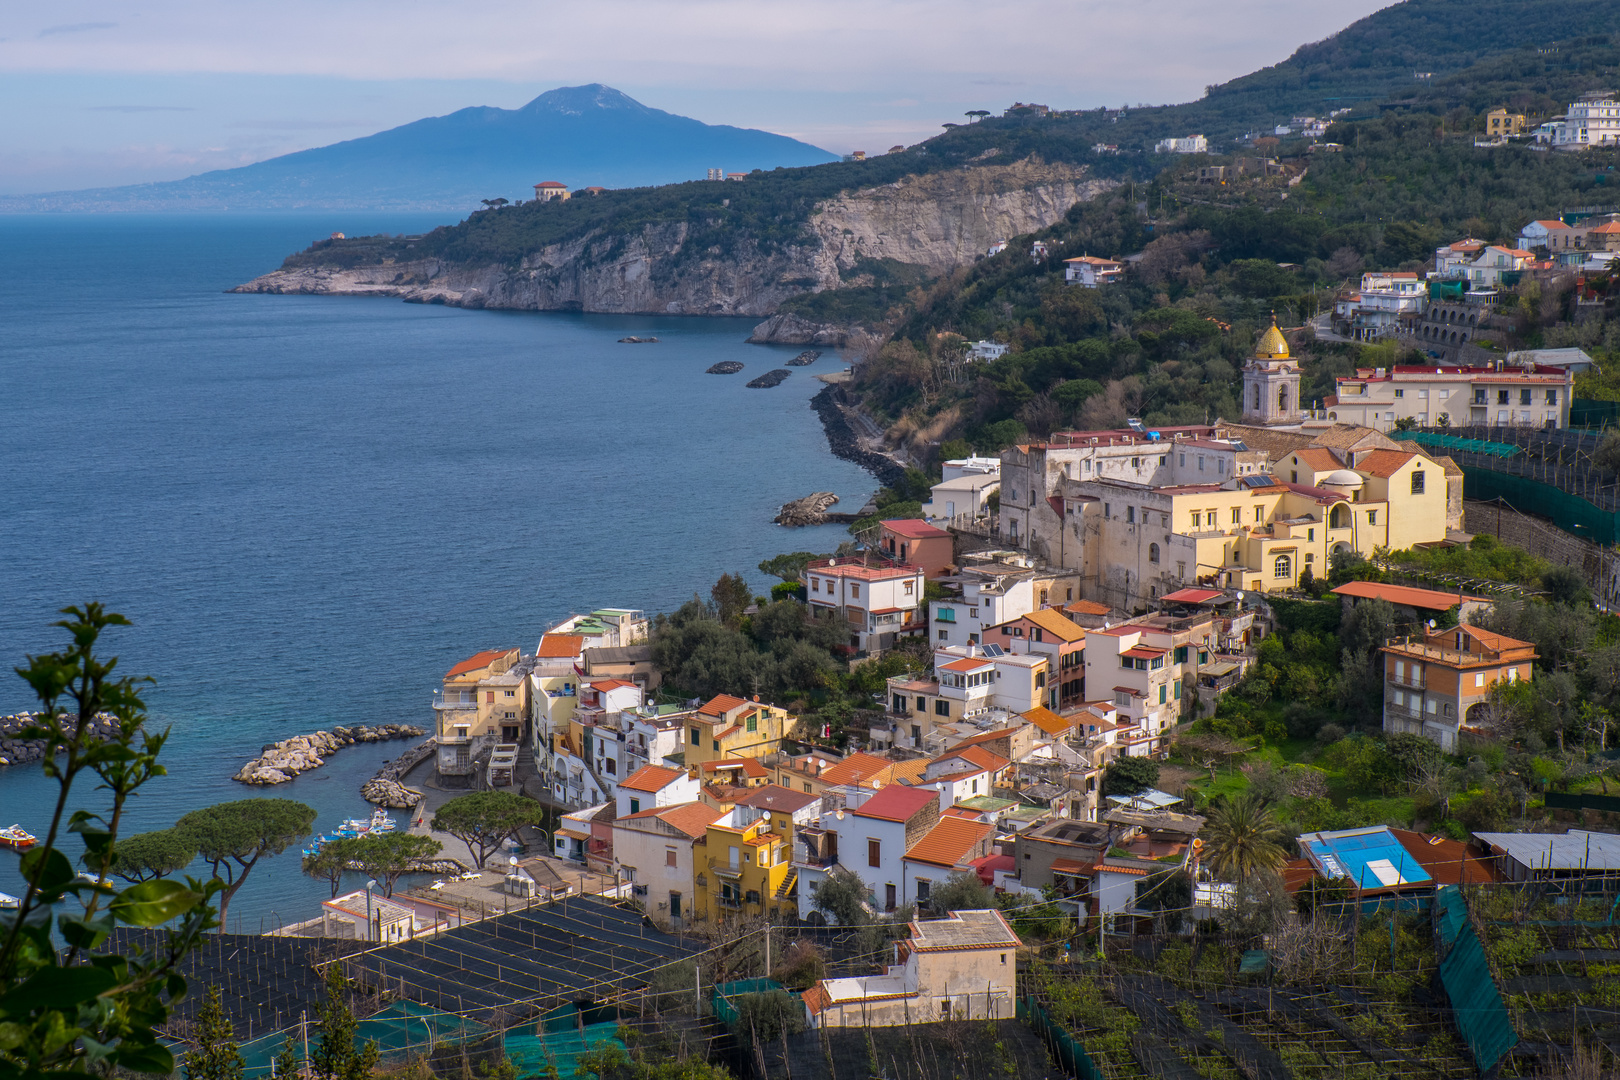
column 812, row 510
column 388, row 788
column 15, row 751
column 281, row 761
column 786, row 328
column 846, row 444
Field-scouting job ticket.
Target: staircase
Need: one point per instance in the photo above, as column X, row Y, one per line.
column 789, row 884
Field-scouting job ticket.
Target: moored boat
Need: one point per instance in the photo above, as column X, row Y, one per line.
column 17, row 838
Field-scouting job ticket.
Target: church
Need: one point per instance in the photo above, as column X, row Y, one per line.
column 1271, row 382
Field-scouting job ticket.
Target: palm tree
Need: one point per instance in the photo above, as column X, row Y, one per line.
column 1242, row 838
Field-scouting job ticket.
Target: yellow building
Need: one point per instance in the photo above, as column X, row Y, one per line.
column 740, row 868
column 730, row 727
column 1500, row 123
column 484, row 701
column 1254, row 532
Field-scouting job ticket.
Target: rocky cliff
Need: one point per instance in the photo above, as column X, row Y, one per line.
column 937, row 221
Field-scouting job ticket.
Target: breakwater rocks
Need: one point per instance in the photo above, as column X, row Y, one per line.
column 770, row 379
column 388, row 789
column 845, row 444
column 15, row 751
column 812, row 510
column 638, row 340
column 281, row 761
column 805, row 359
column 725, row 367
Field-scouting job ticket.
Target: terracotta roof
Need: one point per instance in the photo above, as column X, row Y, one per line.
column 1192, row 596
column 950, row 842
column 693, row 818
column 987, row 865
column 1449, row 862
column 721, row 704
column 914, row 528
column 896, row 803
column 1134, row 871
column 1383, row 463
column 994, row 735
column 866, row 573
column 1053, row 622
column 856, row 769
column 1144, row 652
column 1606, row 227
column 1547, row 224
column 909, row 772
column 1048, row 721
column 559, row 646
column 777, row 797
column 1087, row 607
column 1070, row 866
column 968, row 663
column 1403, row 595
column 610, row 684
column 1296, row 872
column 1319, row 458
column 749, row 767
column 478, row 660
column 963, row 774
column 650, row 778
column 816, row 999
column 1492, row 640
column 981, row 757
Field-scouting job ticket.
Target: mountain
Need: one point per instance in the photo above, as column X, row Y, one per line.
column 579, row 135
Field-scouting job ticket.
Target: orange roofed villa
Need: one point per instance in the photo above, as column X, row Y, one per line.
column 1438, row 685
column 483, row 703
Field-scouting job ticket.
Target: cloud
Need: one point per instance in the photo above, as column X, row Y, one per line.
column 138, row 108
column 76, row 28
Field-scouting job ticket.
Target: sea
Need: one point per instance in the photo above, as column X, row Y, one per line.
column 311, row 507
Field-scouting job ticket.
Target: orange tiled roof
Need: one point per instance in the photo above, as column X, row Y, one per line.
column 721, row 704
column 1047, row 720
column 914, row 529
column 560, row 646
column 856, row 769
column 1383, row 463
column 692, row 818
column 816, row 999
column 950, row 842
column 1404, row 595
column 1053, row 622
column 1087, row 607
column 777, row 797
column 967, row 663
column 1492, row 640
column 896, row 803
column 610, row 684
column 909, row 772
column 1319, row 458
column 749, row 767
column 981, row 757
column 478, row 660
column 650, row 778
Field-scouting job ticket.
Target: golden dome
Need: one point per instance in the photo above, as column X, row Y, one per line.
column 1272, row 346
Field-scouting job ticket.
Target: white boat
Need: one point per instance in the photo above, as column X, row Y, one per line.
column 9, row 902
column 17, row 838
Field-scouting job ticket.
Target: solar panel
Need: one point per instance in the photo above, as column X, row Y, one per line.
column 993, row 650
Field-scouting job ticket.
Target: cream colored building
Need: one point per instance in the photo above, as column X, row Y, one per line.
column 484, row 701
column 1503, row 395
column 964, row 967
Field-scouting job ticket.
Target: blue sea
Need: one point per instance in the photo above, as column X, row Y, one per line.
column 311, row 507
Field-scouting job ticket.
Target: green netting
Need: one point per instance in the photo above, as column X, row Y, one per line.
column 1533, row 497
column 1587, row 413
column 573, row 1016
column 1451, row 914
column 1457, row 442
column 1255, row 962
column 720, row 997
column 1560, row 800
column 1065, row 1048
column 403, row 1030
column 558, row 1053
column 1482, row 1020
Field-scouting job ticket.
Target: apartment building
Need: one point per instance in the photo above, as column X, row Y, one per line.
column 1052, row 634
column 1151, row 664
column 869, row 836
column 743, row 864
column 1593, row 121
column 995, row 586
column 879, row 604
column 1438, row 684
column 1090, row 272
column 982, row 683
column 726, row 727
column 484, row 701
column 1501, row 395
column 606, row 628
column 1384, row 303
column 1451, row 260
column 656, row 851
column 913, row 542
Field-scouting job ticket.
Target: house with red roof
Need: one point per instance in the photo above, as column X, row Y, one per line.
column 655, row 849
column 1438, row 684
column 914, row 542
column 869, row 836
column 547, row 190
column 950, row 847
column 877, row 604
column 483, row 702
column 654, row 785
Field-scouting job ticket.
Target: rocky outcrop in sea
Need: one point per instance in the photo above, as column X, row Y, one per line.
column 812, row 510
column 770, row 379
column 388, row 788
column 16, row 751
column 281, row 761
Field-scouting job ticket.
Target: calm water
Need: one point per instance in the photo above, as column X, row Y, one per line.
column 312, row 507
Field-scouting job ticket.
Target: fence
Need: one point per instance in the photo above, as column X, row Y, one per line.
column 402, row 1031
column 1559, row 800
column 1065, row 1048
column 1481, row 1017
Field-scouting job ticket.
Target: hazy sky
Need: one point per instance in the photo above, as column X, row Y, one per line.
column 101, row 92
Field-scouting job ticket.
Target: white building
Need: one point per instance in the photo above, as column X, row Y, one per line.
column 1190, row 144
column 869, row 837
column 1589, row 122
column 654, row 786
column 654, row 851
column 1452, row 260
column 1147, row 667
column 1550, row 234
column 880, row 604
column 1505, row 395
column 987, row 351
column 1090, row 272
column 1489, row 265
column 962, row 498
column 1381, row 305
column 991, row 593
column 970, row 466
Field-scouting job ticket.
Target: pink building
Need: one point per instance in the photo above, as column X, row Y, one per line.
column 914, row 541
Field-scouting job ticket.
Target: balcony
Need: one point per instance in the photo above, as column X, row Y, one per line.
column 1403, row 712
column 729, row 903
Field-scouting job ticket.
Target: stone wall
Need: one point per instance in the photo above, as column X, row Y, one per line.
column 1547, row 541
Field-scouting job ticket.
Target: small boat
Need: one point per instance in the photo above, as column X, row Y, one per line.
column 381, row 822
column 17, row 838
column 9, row 902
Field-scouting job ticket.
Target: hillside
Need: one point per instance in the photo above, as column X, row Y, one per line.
column 580, row 136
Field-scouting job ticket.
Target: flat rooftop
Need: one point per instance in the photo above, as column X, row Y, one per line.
column 964, row 930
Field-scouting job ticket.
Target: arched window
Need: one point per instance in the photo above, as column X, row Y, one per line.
column 1282, row 400
column 1339, row 517
column 1257, row 399
column 1283, row 568
column 1153, row 553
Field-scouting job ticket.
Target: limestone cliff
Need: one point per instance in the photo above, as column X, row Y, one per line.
column 937, row 221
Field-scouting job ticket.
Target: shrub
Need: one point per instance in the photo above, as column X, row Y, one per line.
column 767, row 1016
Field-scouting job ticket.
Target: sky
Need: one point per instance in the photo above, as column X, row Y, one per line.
column 107, row 92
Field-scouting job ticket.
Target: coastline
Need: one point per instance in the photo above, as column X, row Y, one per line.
column 846, row 444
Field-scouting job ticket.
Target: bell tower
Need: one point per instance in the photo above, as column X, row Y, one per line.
column 1271, row 382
